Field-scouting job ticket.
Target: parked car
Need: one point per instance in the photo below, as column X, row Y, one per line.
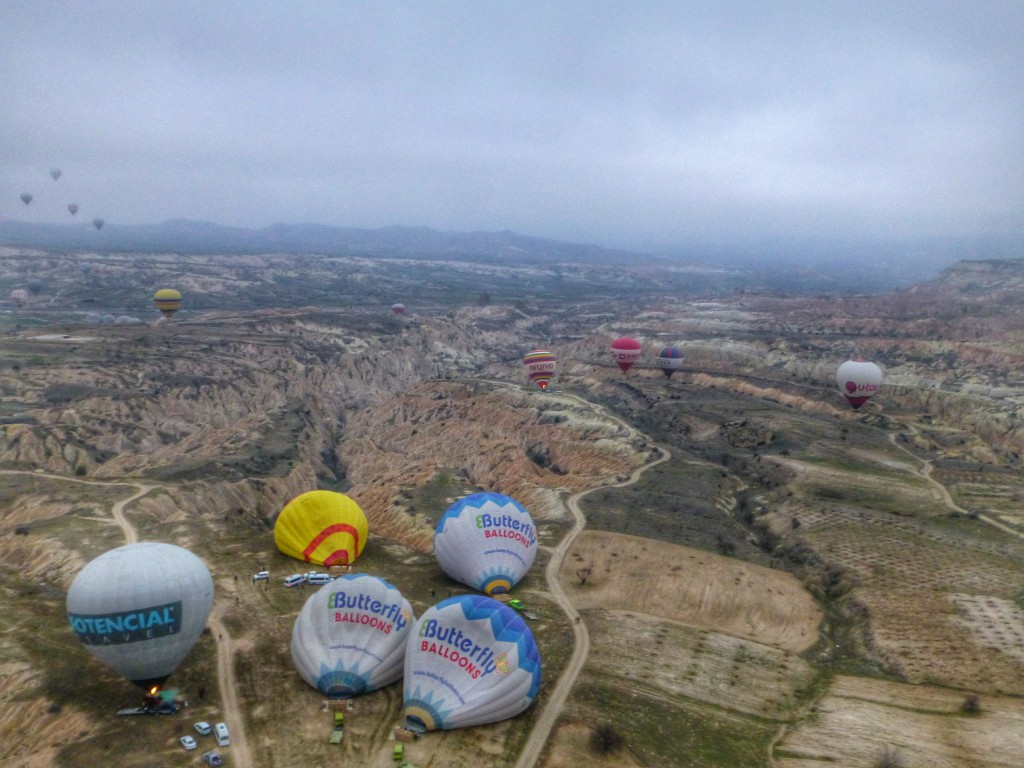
column 318, row 578
column 516, row 603
column 203, row 728
column 212, row 758
column 398, row 752
column 295, row 580
column 188, row 742
column 261, row 576
column 220, row 730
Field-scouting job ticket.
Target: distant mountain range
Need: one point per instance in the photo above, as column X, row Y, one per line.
column 184, row 235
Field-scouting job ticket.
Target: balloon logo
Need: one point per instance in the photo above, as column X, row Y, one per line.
column 486, row 541
column 471, row 660
column 140, row 608
column 626, row 352
column 321, row 527
column 351, row 636
column 540, row 367
column 858, row 381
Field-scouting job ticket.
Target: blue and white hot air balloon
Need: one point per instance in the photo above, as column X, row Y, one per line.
column 669, row 360
column 471, row 660
column 351, row 635
column 486, row 541
column 140, row 608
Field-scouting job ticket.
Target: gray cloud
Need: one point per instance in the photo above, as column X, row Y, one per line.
column 632, row 124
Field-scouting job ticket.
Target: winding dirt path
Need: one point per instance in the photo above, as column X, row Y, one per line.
column 545, row 723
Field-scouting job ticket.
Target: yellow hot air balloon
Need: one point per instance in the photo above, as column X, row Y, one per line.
column 168, row 301
column 321, row 527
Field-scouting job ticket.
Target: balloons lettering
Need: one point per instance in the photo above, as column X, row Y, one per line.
column 140, row 608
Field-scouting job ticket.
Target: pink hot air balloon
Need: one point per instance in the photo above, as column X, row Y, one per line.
column 19, row 296
column 398, row 309
column 626, row 352
column 859, row 381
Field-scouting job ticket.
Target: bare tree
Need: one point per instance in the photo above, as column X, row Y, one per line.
column 606, row 739
column 584, row 573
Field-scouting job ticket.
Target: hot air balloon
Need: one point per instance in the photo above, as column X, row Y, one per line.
column 859, row 381
column 486, row 541
column 669, row 358
column 351, row 635
column 471, row 660
column 540, row 367
column 626, row 352
column 55, row 173
column 72, row 208
column 140, row 608
column 98, row 223
column 26, row 197
column 168, row 301
column 398, row 309
column 19, row 296
column 322, row 527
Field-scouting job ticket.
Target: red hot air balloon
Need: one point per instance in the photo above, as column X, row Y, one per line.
column 540, row 367
column 859, row 381
column 626, row 352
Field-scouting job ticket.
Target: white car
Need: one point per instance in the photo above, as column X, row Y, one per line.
column 188, row 742
column 261, row 576
column 203, row 728
column 295, row 580
column 220, row 730
column 315, row 577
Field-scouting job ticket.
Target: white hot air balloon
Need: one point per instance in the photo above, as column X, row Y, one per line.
column 859, row 381
column 351, row 635
column 471, row 660
column 140, row 608
column 486, row 541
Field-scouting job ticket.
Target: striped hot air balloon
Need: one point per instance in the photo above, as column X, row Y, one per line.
column 669, row 358
column 322, row 527
column 168, row 301
column 540, row 367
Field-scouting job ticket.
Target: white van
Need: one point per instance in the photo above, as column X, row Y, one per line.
column 318, row 578
column 295, row 580
column 220, row 730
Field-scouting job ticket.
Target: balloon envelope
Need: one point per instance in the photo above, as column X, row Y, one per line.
column 19, row 296
column 540, row 367
column 486, row 541
column 26, row 198
column 351, row 636
column 471, row 660
column 398, row 309
column 626, row 352
column 72, row 208
column 859, row 381
column 168, row 301
column 98, row 223
column 321, row 527
column 670, row 358
column 140, row 608
column 55, row 173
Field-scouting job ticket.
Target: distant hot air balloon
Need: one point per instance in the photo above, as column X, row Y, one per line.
column 669, row 358
column 351, row 635
column 398, row 309
column 471, row 660
column 19, row 296
column 72, row 208
column 26, row 197
column 55, row 173
column 98, row 223
column 486, row 541
column 626, row 352
column 168, row 301
column 859, row 381
column 140, row 608
column 540, row 367
column 322, row 527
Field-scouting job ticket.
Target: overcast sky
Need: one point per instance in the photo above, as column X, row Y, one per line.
column 631, row 124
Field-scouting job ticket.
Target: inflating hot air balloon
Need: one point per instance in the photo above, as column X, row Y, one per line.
column 26, row 198
column 351, row 636
column 859, row 381
column 669, row 358
column 321, row 527
column 55, row 173
column 626, row 352
column 140, row 608
column 471, row 660
column 540, row 367
column 98, row 223
column 72, row 208
column 168, row 301
column 486, row 541
column 398, row 309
